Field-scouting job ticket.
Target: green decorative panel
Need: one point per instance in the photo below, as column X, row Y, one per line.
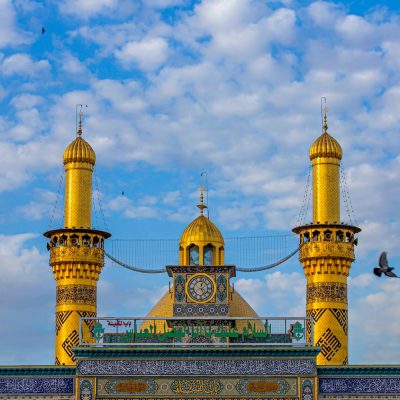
column 193, row 387
column 179, row 288
column 222, row 288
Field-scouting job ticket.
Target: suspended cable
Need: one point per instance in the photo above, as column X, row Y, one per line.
column 348, row 203
column 54, row 211
column 145, row 271
column 99, row 200
column 279, row 262
column 306, row 201
column 160, row 271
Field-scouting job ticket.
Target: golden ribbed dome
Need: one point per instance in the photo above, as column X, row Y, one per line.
column 79, row 151
column 326, row 146
column 201, row 230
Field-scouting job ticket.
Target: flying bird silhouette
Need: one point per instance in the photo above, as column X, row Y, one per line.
column 384, row 267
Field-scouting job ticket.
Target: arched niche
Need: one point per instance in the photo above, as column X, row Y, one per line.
column 209, row 254
column 194, row 255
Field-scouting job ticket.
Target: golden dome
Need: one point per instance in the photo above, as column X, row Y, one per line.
column 201, row 230
column 79, row 151
column 164, row 308
column 326, row 145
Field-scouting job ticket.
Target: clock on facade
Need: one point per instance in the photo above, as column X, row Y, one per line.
column 200, row 288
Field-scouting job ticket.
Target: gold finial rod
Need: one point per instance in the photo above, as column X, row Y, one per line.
column 79, row 124
column 325, row 119
column 202, row 206
column 79, row 133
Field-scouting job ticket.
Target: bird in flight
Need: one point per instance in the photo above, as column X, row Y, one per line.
column 384, row 267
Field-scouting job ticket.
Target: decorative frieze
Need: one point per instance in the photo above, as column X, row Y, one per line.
column 197, row 367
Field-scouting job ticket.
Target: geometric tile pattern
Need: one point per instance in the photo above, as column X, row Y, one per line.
column 341, row 317
column 329, row 344
column 71, row 341
column 61, row 317
column 88, row 314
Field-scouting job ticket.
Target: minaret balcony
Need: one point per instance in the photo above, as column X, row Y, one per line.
column 75, row 254
column 327, row 249
column 327, row 240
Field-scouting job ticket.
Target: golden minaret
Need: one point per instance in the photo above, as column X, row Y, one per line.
column 326, row 254
column 76, row 251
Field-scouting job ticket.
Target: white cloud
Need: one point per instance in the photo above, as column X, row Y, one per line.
column 149, row 53
column 276, row 294
column 26, row 101
column 26, row 302
column 23, row 64
column 87, row 8
column 9, row 33
column 240, row 29
column 323, row 13
column 164, row 3
column 373, row 321
column 72, row 65
column 171, row 198
column 139, row 210
column 355, row 29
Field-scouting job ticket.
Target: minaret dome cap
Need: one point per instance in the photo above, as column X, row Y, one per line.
column 326, row 145
column 79, row 151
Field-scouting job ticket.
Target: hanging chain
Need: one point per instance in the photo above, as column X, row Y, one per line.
column 96, row 219
column 54, row 211
column 347, row 198
column 99, row 200
column 305, row 203
column 344, row 195
column 309, row 194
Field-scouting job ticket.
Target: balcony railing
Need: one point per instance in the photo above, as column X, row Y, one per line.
column 196, row 332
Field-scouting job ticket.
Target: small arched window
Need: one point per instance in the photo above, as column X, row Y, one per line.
column 194, row 255
column 208, row 255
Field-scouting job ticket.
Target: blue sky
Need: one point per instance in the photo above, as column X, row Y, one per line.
column 174, row 88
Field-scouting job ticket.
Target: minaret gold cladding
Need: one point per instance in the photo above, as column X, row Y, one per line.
column 78, row 195
column 76, row 253
column 326, row 254
column 326, row 190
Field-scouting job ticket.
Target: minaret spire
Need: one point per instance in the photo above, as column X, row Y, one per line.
column 327, row 252
column 76, row 251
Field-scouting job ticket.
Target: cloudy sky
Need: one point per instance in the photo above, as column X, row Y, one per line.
column 177, row 87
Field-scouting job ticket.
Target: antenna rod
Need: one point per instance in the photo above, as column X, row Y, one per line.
column 80, row 113
column 323, row 101
column 204, row 173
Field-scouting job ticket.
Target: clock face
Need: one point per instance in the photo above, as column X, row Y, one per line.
column 200, row 288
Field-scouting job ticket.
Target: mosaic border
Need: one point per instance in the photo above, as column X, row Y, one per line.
column 27, row 385
column 213, row 367
column 375, row 385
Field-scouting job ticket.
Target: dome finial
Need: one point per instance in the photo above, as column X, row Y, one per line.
column 201, row 205
column 325, row 126
column 79, row 132
column 79, row 124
